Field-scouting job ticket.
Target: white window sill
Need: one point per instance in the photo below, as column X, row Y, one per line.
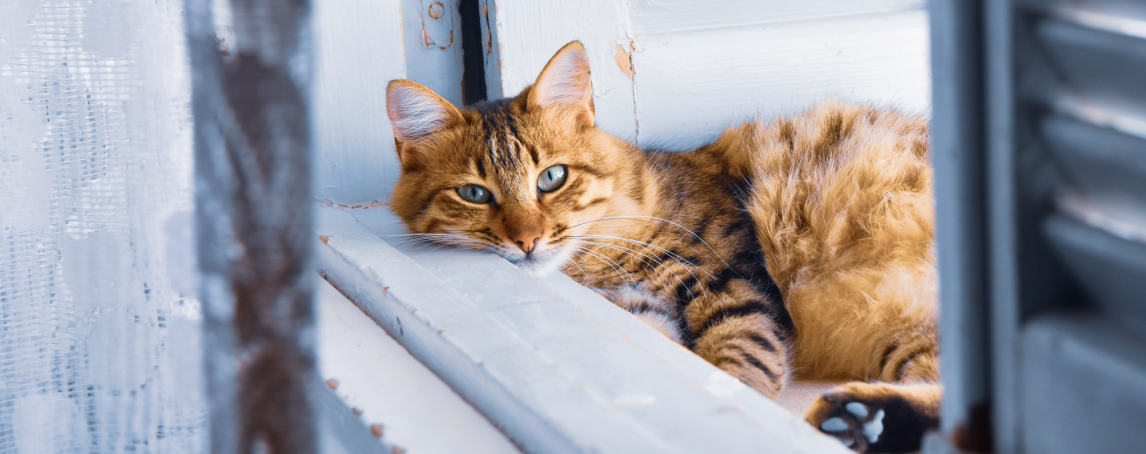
column 392, row 393
column 554, row 365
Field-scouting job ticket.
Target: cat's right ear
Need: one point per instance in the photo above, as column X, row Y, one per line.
column 415, row 113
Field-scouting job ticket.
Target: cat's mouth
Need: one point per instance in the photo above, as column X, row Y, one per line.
column 540, row 262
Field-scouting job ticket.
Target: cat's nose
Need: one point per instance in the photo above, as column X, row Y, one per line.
column 527, row 241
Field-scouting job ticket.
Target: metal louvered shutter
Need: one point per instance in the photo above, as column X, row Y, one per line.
column 1040, row 141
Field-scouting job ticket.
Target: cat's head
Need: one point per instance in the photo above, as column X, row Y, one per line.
column 523, row 177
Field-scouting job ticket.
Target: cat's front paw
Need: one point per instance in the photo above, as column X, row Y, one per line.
column 873, row 418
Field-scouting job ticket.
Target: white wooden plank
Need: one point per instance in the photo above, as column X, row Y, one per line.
column 692, row 85
column 529, row 32
column 372, row 373
column 358, row 49
column 540, row 407
column 674, row 398
column 432, row 35
column 662, row 16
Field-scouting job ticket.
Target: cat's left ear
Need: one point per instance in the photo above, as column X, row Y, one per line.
column 565, row 83
column 416, row 112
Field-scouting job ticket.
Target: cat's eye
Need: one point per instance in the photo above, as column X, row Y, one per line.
column 474, row 193
column 551, row 179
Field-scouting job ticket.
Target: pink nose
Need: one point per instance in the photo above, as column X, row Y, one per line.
column 527, row 241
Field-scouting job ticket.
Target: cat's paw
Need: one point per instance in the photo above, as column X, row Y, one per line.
column 874, row 418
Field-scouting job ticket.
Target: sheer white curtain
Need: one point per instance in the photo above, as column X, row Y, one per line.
column 99, row 330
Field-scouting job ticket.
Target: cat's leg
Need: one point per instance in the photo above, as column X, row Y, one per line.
column 747, row 348
column 735, row 331
column 878, row 417
column 648, row 307
column 732, row 329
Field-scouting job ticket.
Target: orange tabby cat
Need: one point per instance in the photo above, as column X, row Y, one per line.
column 801, row 247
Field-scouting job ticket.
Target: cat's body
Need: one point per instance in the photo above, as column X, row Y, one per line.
column 801, row 247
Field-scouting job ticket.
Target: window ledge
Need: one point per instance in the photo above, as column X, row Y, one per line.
column 554, row 365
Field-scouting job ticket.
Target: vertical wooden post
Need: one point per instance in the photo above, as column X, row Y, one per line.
column 253, row 214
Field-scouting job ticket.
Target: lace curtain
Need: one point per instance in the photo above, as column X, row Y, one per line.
column 99, row 328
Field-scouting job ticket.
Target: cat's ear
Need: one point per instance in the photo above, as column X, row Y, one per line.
column 415, row 113
column 565, row 83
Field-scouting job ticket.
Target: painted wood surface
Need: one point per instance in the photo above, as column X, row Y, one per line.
column 557, row 371
column 691, row 85
column 388, row 388
column 666, row 16
column 359, row 49
column 361, row 45
column 529, row 32
column 432, row 39
column 673, row 73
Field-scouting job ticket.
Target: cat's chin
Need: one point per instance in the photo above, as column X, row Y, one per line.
column 545, row 265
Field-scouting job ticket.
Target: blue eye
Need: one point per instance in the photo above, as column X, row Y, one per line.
column 551, row 179
column 474, row 193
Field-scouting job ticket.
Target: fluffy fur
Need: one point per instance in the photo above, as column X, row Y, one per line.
column 798, row 247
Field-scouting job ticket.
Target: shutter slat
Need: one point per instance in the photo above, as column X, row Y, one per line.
column 1097, row 65
column 1100, row 164
column 1111, row 269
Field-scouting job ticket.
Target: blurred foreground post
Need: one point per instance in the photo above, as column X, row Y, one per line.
column 252, row 175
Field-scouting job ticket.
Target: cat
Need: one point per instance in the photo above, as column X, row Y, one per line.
column 801, row 247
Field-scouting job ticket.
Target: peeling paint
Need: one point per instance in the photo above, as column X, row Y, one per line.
column 488, row 30
column 332, row 384
column 374, row 204
column 325, row 239
column 376, row 430
column 624, row 60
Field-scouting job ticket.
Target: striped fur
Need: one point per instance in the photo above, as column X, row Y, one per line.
column 801, row 247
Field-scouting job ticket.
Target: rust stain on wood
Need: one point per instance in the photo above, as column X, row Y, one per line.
column 437, row 10
column 624, row 61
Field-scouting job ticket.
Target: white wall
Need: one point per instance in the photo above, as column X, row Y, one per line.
column 698, row 65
